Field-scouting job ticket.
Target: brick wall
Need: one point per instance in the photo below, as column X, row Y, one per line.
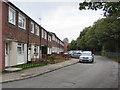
column 2, row 43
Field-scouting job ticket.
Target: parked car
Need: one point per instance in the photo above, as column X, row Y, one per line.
column 86, row 56
column 66, row 53
column 76, row 54
column 71, row 52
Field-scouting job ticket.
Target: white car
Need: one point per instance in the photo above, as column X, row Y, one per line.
column 86, row 56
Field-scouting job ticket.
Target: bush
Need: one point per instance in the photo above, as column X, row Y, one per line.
column 52, row 58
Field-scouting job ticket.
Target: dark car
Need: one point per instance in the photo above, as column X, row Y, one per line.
column 76, row 54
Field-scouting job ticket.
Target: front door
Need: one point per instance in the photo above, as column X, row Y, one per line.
column 20, row 51
column 29, row 53
column 7, row 54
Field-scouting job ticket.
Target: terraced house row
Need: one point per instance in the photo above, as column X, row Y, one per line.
column 22, row 39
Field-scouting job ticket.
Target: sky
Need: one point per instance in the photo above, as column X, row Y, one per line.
column 62, row 17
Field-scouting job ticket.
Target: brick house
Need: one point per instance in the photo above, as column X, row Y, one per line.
column 21, row 38
column 57, row 44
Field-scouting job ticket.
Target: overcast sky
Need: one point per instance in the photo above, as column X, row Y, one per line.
column 59, row 16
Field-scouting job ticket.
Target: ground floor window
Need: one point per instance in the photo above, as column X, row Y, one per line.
column 20, row 48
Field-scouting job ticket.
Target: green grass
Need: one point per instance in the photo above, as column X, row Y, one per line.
column 30, row 65
column 25, row 67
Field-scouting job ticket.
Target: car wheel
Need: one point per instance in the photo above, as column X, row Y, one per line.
column 92, row 61
column 80, row 61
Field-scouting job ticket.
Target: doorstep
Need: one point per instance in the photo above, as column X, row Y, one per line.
column 10, row 69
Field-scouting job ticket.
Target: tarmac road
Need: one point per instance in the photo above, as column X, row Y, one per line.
column 103, row 73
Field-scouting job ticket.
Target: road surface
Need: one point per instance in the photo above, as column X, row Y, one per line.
column 103, row 73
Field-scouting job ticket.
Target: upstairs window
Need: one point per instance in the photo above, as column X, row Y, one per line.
column 12, row 16
column 21, row 21
column 44, row 34
column 49, row 38
column 53, row 38
column 37, row 30
column 58, row 41
column 32, row 27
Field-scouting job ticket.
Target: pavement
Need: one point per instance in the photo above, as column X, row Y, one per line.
column 25, row 74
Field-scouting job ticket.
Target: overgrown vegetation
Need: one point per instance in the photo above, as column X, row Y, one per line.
column 52, row 58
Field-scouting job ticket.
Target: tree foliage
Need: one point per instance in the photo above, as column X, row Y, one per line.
column 65, row 40
column 105, row 33
column 109, row 8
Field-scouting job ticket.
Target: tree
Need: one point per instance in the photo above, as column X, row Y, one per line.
column 65, row 40
column 72, row 45
column 109, row 8
column 105, row 33
column 108, row 33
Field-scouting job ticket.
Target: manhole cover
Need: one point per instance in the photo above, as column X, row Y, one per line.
column 67, row 83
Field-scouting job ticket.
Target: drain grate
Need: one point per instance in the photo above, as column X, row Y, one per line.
column 68, row 84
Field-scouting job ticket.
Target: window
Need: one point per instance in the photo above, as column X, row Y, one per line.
column 58, row 41
column 36, row 49
column 22, row 22
column 32, row 27
column 53, row 38
column 12, row 16
column 37, row 30
column 20, row 48
column 44, row 34
column 49, row 38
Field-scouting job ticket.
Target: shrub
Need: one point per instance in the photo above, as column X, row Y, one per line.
column 52, row 58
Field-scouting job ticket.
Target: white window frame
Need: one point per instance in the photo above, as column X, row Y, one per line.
column 24, row 19
column 32, row 27
column 44, row 34
column 53, row 38
column 13, row 20
column 37, row 30
column 49, row 38
column 20, row 45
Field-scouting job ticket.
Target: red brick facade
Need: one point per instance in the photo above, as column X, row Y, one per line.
column 2, row 46
column 14, row 33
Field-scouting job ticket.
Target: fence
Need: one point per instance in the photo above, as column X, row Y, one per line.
column 112, row 54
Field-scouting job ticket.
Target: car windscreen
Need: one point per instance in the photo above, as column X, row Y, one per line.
column 86, row 54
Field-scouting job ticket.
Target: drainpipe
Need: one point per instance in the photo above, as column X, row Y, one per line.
column 47, row 43
column 40, row 42
column 28, row 40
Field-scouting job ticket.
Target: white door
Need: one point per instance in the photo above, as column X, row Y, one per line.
column 29, row 53
column 6, row 54
column 48, row 51
column 20, row 51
